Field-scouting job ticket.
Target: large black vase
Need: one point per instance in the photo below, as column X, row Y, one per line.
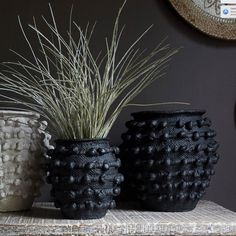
column 84, row 177
column 168, row 158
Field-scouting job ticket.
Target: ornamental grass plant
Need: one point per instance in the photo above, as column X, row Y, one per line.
column 80, row 93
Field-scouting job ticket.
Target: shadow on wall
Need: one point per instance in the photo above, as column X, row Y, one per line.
column 174, row 19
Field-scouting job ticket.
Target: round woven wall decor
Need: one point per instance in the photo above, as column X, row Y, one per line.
column 205, row 16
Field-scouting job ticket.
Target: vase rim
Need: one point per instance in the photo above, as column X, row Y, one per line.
column 19, row 112
column 169, row 112
column 81, row 140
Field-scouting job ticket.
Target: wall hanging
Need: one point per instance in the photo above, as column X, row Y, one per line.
column 205, row 15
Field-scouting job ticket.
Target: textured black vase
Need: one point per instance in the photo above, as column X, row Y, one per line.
column 168, row 158
column 84, row 177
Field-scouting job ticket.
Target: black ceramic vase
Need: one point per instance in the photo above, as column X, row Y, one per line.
column 168, row 158
column 84, row 177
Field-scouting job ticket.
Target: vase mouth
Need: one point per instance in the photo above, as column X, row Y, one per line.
column 170, row 112
column 82, row 140
column 18, row 112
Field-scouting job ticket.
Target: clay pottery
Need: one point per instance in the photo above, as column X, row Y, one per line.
column 21, row 159
column 84, row 177
column 168, row 158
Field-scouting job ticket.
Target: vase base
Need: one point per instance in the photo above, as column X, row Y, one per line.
column 169, row 206
column 14, row 203
column 84, row 214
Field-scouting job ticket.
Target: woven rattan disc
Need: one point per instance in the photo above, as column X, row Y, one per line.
column 205, row 16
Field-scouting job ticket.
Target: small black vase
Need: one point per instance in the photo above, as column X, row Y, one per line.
column 84, row 177
column 168, row 158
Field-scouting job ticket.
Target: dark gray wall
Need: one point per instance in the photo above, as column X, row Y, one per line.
column 203, row 73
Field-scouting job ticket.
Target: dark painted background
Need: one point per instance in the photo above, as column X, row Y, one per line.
column 203, row 73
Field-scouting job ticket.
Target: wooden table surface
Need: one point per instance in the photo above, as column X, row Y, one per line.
column 43, row 220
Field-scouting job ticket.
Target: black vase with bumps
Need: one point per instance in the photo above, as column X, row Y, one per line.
column 84, row 177
column 168, row 158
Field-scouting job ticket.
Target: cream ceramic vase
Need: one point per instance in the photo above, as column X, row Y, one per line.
column 21, row 159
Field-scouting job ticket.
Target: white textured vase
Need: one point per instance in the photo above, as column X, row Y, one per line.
column 21, row 159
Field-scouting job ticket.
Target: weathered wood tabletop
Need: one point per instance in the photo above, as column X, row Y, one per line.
column 43, row 220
